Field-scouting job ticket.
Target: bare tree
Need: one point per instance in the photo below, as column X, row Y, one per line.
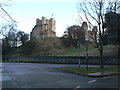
column 8, row 32
column 94, row 12
column 113, row 6
column 3, row 13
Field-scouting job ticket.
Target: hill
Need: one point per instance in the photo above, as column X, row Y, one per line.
column 109, row 50
column 54, row 47
column 39, row 47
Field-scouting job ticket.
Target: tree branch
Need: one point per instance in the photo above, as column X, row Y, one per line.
column 6, row 13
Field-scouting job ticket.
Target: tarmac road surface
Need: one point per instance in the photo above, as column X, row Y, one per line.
column 37, row 75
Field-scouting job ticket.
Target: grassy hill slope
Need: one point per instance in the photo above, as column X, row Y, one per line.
column 54, row 47
column 40, row 47
column 109, row 50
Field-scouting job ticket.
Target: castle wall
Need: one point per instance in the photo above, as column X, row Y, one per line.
column 35, row 33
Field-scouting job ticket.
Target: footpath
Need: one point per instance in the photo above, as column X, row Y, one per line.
column 96, row 74
column 102, row 74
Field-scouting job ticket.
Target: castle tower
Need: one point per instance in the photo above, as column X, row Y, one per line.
column 43, row 20
column 52, row 24
column 37, row 21
column 44, row 28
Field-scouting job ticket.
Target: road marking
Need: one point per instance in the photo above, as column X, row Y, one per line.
column 76, row 88
column 91, row 81
column 4, row 78
column 107, row 77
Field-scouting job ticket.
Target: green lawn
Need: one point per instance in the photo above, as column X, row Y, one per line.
column 82, row 70
column 109, row 50
column 74, row 51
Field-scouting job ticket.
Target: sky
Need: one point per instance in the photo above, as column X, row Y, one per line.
column 25, row 12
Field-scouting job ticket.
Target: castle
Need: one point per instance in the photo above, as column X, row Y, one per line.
column 44, row 28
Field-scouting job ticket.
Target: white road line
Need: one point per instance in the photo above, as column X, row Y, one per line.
column 107, row 77
column 4, row 78
column 91, row 81
column 78, row 87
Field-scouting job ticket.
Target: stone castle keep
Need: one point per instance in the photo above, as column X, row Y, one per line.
column 44, row 28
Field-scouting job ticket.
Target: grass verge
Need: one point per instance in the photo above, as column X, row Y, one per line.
column 82, row 70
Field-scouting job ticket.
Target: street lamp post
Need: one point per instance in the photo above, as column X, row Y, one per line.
column 86, row 39
column 78, row 45
column 85, row 28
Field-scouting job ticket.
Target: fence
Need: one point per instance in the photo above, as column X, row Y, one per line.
column 64, row 59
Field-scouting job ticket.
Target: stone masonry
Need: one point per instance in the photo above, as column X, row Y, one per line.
column 44, row 28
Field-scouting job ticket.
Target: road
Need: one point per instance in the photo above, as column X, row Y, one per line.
column 34, row 75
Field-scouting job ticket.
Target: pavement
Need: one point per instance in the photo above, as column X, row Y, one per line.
column 97, row 74
column 102, row 74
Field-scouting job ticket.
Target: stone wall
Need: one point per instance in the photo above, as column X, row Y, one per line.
column 64, row 59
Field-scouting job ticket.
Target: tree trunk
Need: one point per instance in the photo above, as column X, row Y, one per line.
column 101, row 55
column 101, row 46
